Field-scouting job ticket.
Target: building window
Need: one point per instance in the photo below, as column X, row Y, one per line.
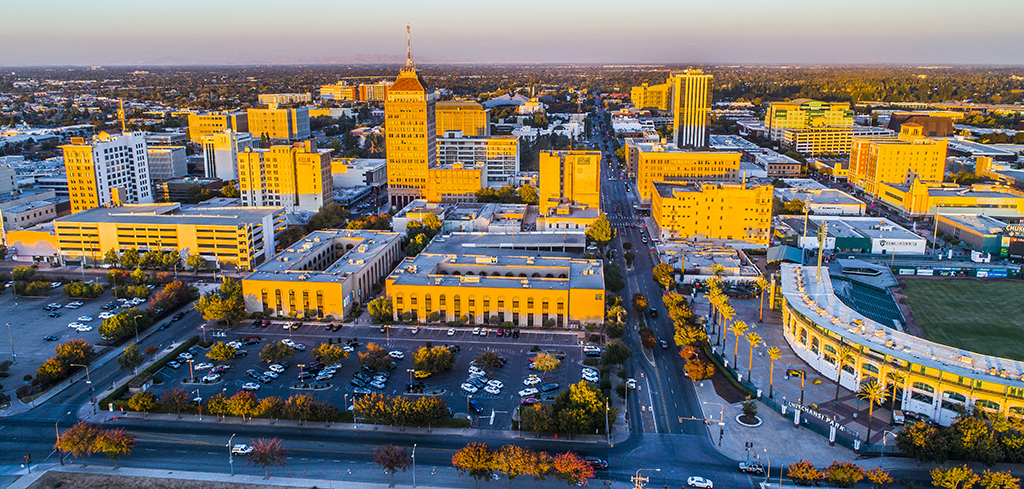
column 924, row 387
column 987, row 404
column 319, row 303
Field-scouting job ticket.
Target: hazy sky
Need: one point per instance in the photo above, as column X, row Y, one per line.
column 155, row 32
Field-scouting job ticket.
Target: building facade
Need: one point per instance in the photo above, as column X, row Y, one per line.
column 498, row 154
column 410, row 137
column 327, row 273
column 200, row 125
column 220, row 153
column 462, row 115
column 166, row 162
column 691, row 108
column 109, row 163
column 656, row 162
column 803, row 114
column 932, row 198
column 291, row 124
column 457, row 182
column 241, row 237
column 296, row 177
column 652, row 96
column 570, row 177
column 874, row 161
column 275, row 99
column 713, row 211
column 340, row 91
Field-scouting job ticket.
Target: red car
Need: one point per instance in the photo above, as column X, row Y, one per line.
column 501, row 332
column 529, row 401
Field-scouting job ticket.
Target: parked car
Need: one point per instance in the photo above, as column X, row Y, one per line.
column 173, row 364
column 397, row 355
column 377, row 384
column 54, row 314
column 250, row 386
column 210, row 378
column 357, row 382
column 752, row 468
column 490, row 389
column 252, row 373
column 529, row 391
column 451, row 331
column 529, row 401
column 596, row 462
column 475, row 406
column 203, row 366
column 549, row 387
column 277, row 368
column 51, row 337
column 470, row 388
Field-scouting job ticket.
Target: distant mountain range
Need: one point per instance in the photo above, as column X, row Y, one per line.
column 380, row 59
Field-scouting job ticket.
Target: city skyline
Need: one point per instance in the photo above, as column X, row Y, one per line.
column 739, row 31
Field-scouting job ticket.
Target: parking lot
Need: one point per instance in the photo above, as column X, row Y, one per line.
column 400, row 338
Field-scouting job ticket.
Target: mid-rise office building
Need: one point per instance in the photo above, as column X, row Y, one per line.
column 220, row 153
column 8, row 179
column 241, row 237
column 498, row 154
column 570, row 177
column 457, row 182
column 340, row 91
column 713, row 211
column 814, row 141
column 691, row 108
column 26, row 215
column 166, row 162
column 111, row 162
column 652, row 96
column 874, row 161
column 656, row 162
column 374, row 91
column 273, row 100
column 527, row 279
column 462, row 115
column 327, row 273
column 200, row 125
column 357, row 172
column 410, row 137
column 923, row 198
column 296, row 177
column 279, row 124
column 804, row 113
column 177, row 189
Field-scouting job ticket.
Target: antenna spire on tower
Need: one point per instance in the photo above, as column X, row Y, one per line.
column 408, row 46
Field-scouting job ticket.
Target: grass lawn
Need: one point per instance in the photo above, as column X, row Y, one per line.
column 975, row 315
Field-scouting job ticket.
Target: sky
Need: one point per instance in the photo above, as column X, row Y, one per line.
column 205, row 32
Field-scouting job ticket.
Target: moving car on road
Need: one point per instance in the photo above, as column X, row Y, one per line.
column 696, row 481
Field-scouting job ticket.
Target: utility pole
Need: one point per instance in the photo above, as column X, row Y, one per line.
column 231, row 458
column 13, row 355
column 414, row 466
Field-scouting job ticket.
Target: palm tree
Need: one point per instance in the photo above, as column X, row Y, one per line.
column 872, row 392
column 773, row 354
column 727, row 314
column 844, row 353
column 897, row 380
column 738, row 329
column 717, row 270
column 755, row 341
column 716, row 302
column 763, row 285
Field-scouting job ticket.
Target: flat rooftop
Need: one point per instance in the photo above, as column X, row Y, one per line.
column 421, row 206
column 669, row 190
column 361, row 246
column 818, row 196
column 173, row 213
column 852, row 227
column 561, row 244
column 979, row 223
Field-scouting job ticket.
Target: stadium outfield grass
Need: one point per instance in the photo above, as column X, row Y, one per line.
column 975, row 315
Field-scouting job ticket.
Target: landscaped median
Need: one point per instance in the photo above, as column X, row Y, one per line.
column 116, row 396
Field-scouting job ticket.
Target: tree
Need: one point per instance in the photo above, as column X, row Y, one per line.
column 22, row 273
column 546, row 362
column 392, row 458
column 229, row 190
column 954, row 477
column 803, row 473
column 754, row 340
column 843, row 474
column 434, row 359
column 639, row 303
column 375, row 357
column 528, row 194
column 538, row 418
column 600, row 231
column 613, row 279
column 172, row 296
column 475, row 459
column 879, row 478
column 267, row 452
column 78, row 440
column 762, row 285
column 513, row 460
column 572, row 469
column 699, row 370
column 773, row 355
column 115, row 444
column 488, row 360
column 663, row 275
column 130, row 258
column 130, row 358
column 971, row 438
column 329, row 354
column 738, row 329
column 225, row 304
column 242, row 404
column 842, row 355
column 195, row 263
column 111, row 258
column 999, row 480
column 139, row 277
column 616, row 352
column 221, row 351
column 142, row 401
column 176, row 399
column 275, row 352
column 380, row 309
column 541, row 464
column 125, row 323
column 921, row 441
column 629, row 256
column 873, row 392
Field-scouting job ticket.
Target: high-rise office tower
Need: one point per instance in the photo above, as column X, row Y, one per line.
column 220, row 153
column 691, row 108
column 112, row 162
column 409, row 119
column 296, row 177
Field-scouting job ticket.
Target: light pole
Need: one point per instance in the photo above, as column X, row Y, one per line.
column 191, row 374
column 468, row 397
column 88, row 380
column 231, row 455
column 414, row 466
column 768, row 472
column 11, row 335
column 60, row 454
column 410, row 370
column 639, row 481
column 135, row 318
column 885, row 434
column 721, row 414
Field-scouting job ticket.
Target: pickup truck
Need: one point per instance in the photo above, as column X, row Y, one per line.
column 752, row 468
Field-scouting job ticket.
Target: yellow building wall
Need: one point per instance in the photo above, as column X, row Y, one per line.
column 81, row 172
column 201, row 125
column 454, row 184
column 275, row 123
column 891, row 161
column 666, row 166
column 293, row 297
column 655, row 96
column 719, row 211
column 468, row 117
column 573, row 175
column 803, row 114
column 410, row 134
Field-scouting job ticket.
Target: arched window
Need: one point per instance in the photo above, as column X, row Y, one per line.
column 320, row 303
column 924, row 387
column 291, row 300
column 523, row 275
column 442, row 302
column 535, row 275
column 549, row 276
column 803, row 336
column 987, row 404
column 509, row 274
column 279, row 300
column 561, row 275
column 426, row 304
column 457, row 303
column 814, row 345
column 412, row 300
column 264, row 298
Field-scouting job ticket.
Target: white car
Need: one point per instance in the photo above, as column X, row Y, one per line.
column 470, row 388
column 211, row 378
column 288, row 342
column 85, row 318
column 234, row 344
column 270, row 373
column 85, row 328
column 203, row 366
column 347, row 349
column 474, row 370
column 476, row 331
column 490, row 389
column 589, row 371
column 250, row 386
column 241, row 449
column 75, row 305
column 701, row 482
column 397, row 355
column 496, row 383
column 414, row 330
column 527, row 392
column 631, row 383
column 531, row 380
column 75, row 324
column 185, row 355
column 276, row 368
column 173, row 364
column 451, row 331
column 106, row 315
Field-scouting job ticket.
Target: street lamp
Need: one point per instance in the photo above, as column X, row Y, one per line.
column 639, row 481
column 885, row 434
column 802, row 375
column 231, row 457
column 410, row 370
column 60, row 454
column 135, row 318
column 768, row 472
column 191, row 374
column 414, row 466
column 15, row 357
column 468, row 397
column 88, row 380
column 721, row 414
